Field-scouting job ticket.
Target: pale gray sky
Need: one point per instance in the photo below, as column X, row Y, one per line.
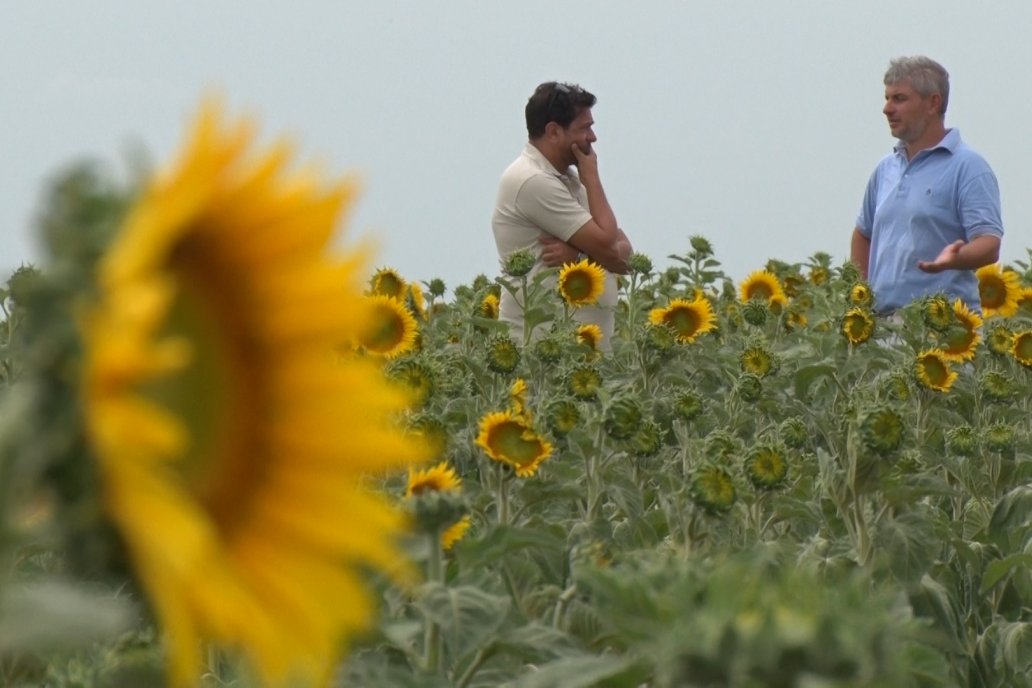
column 754, row 123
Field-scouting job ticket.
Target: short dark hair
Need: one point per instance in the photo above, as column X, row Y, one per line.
column 556, row 102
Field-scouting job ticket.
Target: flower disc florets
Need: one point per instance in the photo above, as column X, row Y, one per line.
column 962, row 440
column 767, row 467
column 584, row 381
column 714, row 490
column 502, row 354
column 882, row 430
column 999, row 438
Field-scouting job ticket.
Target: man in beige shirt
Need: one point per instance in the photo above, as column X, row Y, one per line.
column 551, row 202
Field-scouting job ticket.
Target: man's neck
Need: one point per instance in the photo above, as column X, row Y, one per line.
column 551, row 156
column 931, row 138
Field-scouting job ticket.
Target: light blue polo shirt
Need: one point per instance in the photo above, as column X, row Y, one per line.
column 913, row 209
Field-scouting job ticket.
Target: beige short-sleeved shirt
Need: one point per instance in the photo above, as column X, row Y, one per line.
column 535, row 199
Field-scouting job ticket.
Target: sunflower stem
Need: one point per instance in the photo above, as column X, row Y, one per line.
column 432, row 632
column 562, row 603
column 502, row 486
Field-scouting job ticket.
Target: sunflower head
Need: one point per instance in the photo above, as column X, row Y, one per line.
column 436, row 288
column 590, row 335
column 759, row 361
column 518, row 263
column 387, row 282
column 763, row 286
column 857, row 325
column 755, row 313
column 511, row 441
column 819, row 275
column 548, row 349
column 582, row 283
column 721, row 445
column 562, row 416
column 962, row 440
column 647, row 440
column 583, row 382
column 688, row 405
column 998, row 291
column 882, row 430
column 996, row 386
column 937, row 313
column 623, row 417
column 932, row 369
column 961, row 339
column 897, row 386
column 860, row 295
column 713, row 489
column 749, row 387
column 489, row 306
column 999, row 437
column 1021, row 348
column 687, row 318
column 1000, row 340
column 1025, row 300
column 767, row 467
column 701, row 246
column 415, row 376
column 502, row 354
column 391, row 329
column 640, row 264
column 437, row 512
column 660, row 338
column 794, row 433
column 416, row 301
column 438, row 478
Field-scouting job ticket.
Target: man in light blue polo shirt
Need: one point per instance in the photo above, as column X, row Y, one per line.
column 931, row 212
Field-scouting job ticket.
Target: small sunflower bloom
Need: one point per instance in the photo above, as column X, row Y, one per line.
column 511, row 441
column 999, row 438
column 860, row 295
column 763, row 286
column 590, row 335
column 758, row 361
column 767, row 467
column 392, row 330
column 932, row 370
column 961, row 340
column 996, row 386
column 857, row 325
column 937, row 313
column 713, row 489
column 998, row 291
column 562, row 416
column 688, row 319
column 640, row 264
column 440, row 478
column 582, row 283
column 1000, row 340
column 502, row 354
column 1021, row 348
column 387, row 282
column 489, row 306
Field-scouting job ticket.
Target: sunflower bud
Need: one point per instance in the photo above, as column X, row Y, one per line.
column 767, row 467
column 962, row 440
column 518, row 263
column 548, row 349
column 794, row 433
column 881, row 430
column 688, row 405
column 433, row 511
column 897, row 386
column 623, row 418
column 758, row 361
column 749, row 387
column 436, row 287
column 562, row 416
column 583, row 382
column 755, row 312
column 640, row 264
column 660, row 337
column 721, row 445
column 713, row 490
column 849, row 272
column 647, row 440
column 999, row 438
column 701, row 246
column 996, row 386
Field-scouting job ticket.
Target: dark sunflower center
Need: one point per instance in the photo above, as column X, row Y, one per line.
column 577, row 286
column 509, row 439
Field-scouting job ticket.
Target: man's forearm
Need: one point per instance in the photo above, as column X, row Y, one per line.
column 598, row 205
column 860, row 252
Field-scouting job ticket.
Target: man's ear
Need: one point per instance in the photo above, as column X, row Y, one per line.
column 552, row 131
column 935, row 100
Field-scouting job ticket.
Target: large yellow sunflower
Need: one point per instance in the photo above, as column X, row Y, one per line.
column 688, row 319
column 1022, row 348
column 762, row 285
column 439, row 478
column 998, row 290
column 230, row 444
column 581, row 284
column 932, row 369
column 961, row 341
column 506, row 438
column 392, row 329
column 857, row 325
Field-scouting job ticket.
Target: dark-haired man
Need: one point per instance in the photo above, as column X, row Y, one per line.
column 931, row 212
column 551, row 201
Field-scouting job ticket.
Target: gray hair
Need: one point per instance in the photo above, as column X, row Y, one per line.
column 925, row 74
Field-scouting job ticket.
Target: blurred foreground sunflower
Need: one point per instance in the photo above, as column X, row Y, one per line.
column 439, row 478
column 998, row 290
column 230, row 445
column 582, row 283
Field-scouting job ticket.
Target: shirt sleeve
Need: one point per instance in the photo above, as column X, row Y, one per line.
column 980, row 206
column 549, row 205
column 865, row 218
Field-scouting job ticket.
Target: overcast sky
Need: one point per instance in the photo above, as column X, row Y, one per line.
column 755, row 124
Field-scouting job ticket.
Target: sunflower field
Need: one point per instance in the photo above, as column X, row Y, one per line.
column 233, row 455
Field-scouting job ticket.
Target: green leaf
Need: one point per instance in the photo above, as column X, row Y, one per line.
column 577, row 672
column 998, row 570
column 807, row 375
column 466, row 615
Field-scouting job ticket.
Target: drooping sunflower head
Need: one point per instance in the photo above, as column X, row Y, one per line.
column 511, row 441
column 767, row 467
column 860, row 295
column 960, row 341
column 857, row 325
column 583, row 382
column 937, row 313
column 647, row 440
column 932, row 369
column 502, row 354
column 999, row 437
column 688, row 405
column 489, row 306
column 1021, row 348
column 763, row 286
column 623, row 417
column 563, row 416
column 998, row 290
column 230, row 444
column 416, row 301
column 794, row 433
column 688, row 319
column 391, row 330
column 962, row 440
column 438, row 478
column 436, row 288
column 590, row 335
column 548, row 349
column 996, row 386
column 701, row 246
column 749, row 387
column 759, row 361
column 387, row 282
column 1000, row 340
column 882, row 430
column 713, row 489
column 582, row 283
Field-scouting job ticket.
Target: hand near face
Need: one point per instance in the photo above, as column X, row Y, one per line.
column 946, row 260
column 587, row 163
